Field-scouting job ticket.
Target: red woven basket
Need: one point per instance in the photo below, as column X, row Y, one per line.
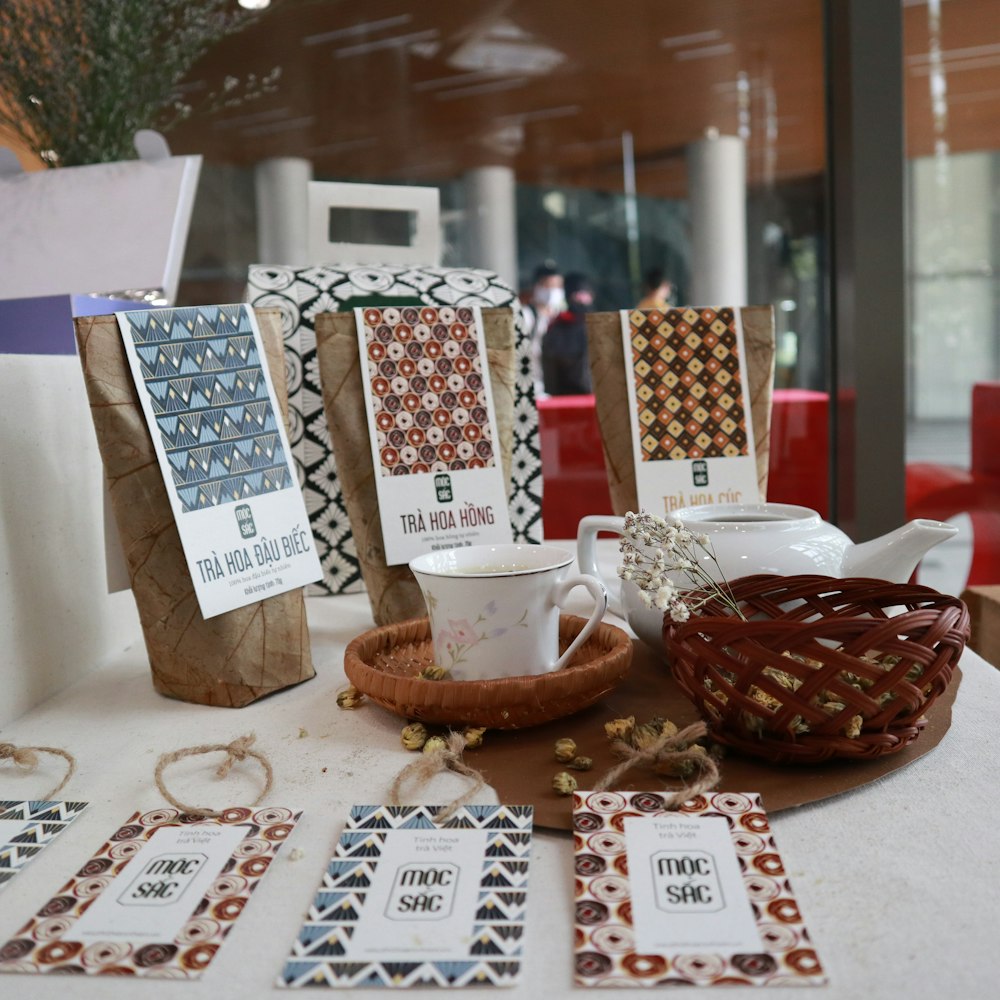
column 813, row 673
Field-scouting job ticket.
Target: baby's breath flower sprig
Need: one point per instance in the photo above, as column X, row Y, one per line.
column 654, row 552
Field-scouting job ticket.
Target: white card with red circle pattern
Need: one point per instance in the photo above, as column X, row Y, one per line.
column 433, row 430
column 157, row 899
column 696, row 896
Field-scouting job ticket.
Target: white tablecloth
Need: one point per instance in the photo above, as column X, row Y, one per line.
column 898, row 881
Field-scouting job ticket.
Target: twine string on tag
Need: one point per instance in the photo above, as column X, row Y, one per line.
column 674, row 751
column 235, row 752
column 447, row 758
column 27, row 759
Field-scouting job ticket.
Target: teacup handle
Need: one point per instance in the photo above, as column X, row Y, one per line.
column 586, row 551
column 599, row 592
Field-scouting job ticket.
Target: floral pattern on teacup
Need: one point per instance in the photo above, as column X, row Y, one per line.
column 462, row 635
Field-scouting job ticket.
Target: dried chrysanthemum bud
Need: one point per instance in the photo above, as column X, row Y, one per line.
column 433, row 673
column 565, row 750
column 763, row 698
column 350, row 697
column 853, row 728
column 785, row 679
column 856, row 680
column 644, row 736
column 414, row 736
column 474, row 736
column 564, row 783
column 620, row 729
column 668, row 729
column 681, row 768
column 435, row 743
column 581, row 763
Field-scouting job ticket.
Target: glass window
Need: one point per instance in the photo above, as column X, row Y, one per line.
column 591, row 105
column 952, row 87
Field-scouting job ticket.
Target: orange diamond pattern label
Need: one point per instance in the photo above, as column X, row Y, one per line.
column 689, row 395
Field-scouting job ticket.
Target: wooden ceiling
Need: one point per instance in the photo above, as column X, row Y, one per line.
column 422, row 90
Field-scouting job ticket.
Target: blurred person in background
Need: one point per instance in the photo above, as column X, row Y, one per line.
column 657, row 290
column 539, row 306
column 564, row 346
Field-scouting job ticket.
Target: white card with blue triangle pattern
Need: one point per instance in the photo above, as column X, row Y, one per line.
column 208, row 399
column 408, row 900
column 27, row 828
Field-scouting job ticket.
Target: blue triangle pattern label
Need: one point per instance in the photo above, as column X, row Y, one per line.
column 202, row 370
column 40, row 822
column 201, row 375
column 370, row 896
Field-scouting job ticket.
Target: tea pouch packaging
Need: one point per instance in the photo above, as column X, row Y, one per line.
column 302, row 295
column 392, row 590
column 615, row 415
column 230, row 659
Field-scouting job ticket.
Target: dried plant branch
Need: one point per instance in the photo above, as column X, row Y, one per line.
column 78, row 78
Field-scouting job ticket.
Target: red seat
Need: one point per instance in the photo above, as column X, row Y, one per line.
column 576, row 482
column 798, row 463
column 942, row 491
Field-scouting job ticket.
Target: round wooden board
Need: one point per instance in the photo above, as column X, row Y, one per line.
column 520, row 765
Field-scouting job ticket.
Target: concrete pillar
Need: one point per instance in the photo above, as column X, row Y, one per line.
column 282, row 213
column 491, row 210
column 716, row 169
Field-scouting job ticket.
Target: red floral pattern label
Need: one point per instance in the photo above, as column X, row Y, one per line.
column 426, row 377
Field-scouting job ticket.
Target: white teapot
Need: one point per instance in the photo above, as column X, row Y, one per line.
column 767, row 538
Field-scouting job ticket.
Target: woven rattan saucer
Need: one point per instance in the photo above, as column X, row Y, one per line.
column 383, row 664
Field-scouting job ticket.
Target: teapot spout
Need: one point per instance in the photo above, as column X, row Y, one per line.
column 895, row 556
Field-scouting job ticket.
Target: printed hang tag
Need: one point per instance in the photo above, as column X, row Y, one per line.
column 157, row 899
column 692, row 433
column 207, row 396
column 433, row 430
column 692, row 897
column 27, row 828
column 407, row 901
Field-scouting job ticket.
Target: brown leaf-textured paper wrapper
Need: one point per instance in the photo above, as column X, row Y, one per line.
column 392, row 590
column 607, row 367
column 231, row 659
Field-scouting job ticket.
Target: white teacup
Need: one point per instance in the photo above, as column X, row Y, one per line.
column 494, row 609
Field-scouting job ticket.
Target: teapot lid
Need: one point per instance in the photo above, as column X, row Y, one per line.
column 746, row 515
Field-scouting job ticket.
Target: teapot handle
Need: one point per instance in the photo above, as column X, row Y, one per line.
column 586, row 553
